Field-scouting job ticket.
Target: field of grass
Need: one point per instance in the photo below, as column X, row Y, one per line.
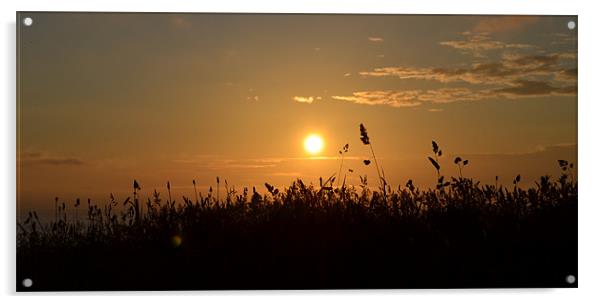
column 458, row 234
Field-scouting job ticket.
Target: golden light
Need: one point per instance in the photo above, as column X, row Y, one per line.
column 313, row 144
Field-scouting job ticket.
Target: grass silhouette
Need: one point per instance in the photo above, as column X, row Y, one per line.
column 459, row 234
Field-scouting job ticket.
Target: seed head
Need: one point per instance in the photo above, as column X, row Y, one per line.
column 364, row 135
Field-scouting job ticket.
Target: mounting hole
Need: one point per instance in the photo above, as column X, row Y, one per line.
column 571, row 25
column 27, row 21
column 570, row 279
column 27, row 283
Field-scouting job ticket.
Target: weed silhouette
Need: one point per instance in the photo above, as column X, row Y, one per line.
column 459, row 234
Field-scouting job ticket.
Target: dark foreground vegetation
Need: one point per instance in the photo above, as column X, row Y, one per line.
column 463, row 235
column 459, row 234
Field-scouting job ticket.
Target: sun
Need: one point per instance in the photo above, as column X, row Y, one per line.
column 313, row 144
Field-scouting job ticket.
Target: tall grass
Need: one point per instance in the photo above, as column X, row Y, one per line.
column 314, row 236
column 366, row 141
column 404, row 202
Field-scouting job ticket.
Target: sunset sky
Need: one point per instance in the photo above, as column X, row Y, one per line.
column 108, row 98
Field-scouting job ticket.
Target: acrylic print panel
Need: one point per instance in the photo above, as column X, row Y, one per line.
column 295, row 151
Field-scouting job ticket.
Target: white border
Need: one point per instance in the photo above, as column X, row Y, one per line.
column 590, row 170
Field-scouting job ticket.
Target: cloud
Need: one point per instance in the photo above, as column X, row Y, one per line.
column 504, row 23
column 395, row 99
column 508, row 70
column 247, row 164
column 302, row 99
column 530, row 63
column 567, row 55
column 512, row 76
column 403, row 73
column 477, row 44
column 449, row 95
column 535, row 88
column 38, row 158
column 476, row 74
column 376, row 39
column 413, row 98
column 515, row 70
column 567, row 75
column 217, row 163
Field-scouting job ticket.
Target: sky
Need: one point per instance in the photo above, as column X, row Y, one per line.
column 107, row 98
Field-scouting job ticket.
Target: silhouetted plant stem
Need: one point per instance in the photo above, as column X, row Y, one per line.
column 136, row 204
column 340, row 169
column 169, row 192
column 366, row 141
column 196, row 194
column 438, row 173
column 380, row 178
column 77, row 202
column 217, row 178
column 342, row 153
column 435, row 162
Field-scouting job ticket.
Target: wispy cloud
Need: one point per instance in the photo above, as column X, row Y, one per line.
column 220, row 162
column 412, row 98
column 477, row 44
column 395, row 99
column 566, row 75
column 514, row 70
column 247, row 164
column 507, row 70
column 302, row 99
column 512, row 76
column 448, row 95
column 38, row 158
column 525, row 88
